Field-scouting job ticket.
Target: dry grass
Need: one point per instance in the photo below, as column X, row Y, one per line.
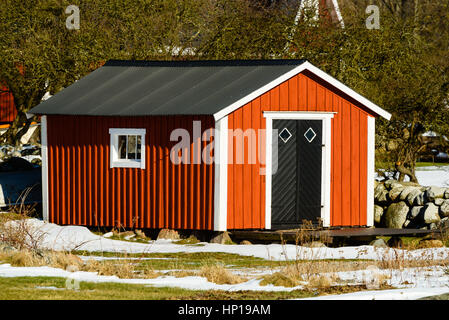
column 309, row 273
column 322, row 281
column 280, row 279
column 30, row 258
column 122, row 269
column 125, row 269
column 21, row 208
column 310, row 270
column 181, row 273
column 219, row 275
column 322, row 274
column 15, row 229
column 307, row 270
column 444, row 235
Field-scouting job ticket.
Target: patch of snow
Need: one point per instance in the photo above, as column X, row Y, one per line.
column 428, row 176
column 433, row 176
column 393, row 294
column 413, row 283
column 48, row 288
column 192, row 282
column 69, row 238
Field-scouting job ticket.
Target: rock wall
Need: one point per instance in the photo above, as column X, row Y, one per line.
column 409, row 205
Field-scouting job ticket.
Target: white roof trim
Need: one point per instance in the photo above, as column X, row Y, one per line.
column 319, row 73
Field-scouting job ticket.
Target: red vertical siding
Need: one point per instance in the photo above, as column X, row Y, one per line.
column 84, row 190
column 304, row 92
column 8, row 110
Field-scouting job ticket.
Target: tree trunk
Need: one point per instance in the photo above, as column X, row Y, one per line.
column 18, row 128
column 403, row 171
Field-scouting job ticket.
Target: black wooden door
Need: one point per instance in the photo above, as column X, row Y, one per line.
column 296, row 179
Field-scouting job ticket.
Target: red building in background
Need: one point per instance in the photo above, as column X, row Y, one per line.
column 8, row 110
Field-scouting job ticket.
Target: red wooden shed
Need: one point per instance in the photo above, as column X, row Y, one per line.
column 8, row 110
column 210, row 145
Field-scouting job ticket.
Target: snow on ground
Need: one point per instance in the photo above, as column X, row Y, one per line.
column 71, row 238
column 393, row 294
column 412, row 283
column 433, row 176
column 192, row 282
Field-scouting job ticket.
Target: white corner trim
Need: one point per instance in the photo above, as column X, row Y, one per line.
column 326, row 118
column 371, row 170
column 115, row 162
column 316, row 71
column 221, row 175
column 268, row 169
column 326, row 177
column 44, row 154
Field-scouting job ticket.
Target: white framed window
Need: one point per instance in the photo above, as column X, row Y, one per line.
column 127, row 148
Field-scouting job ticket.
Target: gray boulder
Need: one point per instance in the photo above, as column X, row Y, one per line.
column 444, row 208
column 412, row 196
column 438, row 201
column 380, row 193
column 433, row 226
column 381, row 197
column 434, row 192
column 407, row 190
column 446, row 194
column 391, row 184
column 168, row 234
column 431, row 213
column 394, row 193
column 379, row 243
column 396, row 215
column 415, row 211
column 379, row 188
column 378, row 213
column 221, row 238
column 421, row 199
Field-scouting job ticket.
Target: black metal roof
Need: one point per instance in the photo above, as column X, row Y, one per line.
column 130, row 88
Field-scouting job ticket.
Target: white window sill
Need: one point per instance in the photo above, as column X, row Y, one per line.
column 127, row 164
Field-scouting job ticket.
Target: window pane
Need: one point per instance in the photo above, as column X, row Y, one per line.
column 139, row 146
column 122, row 147
column 132, row 147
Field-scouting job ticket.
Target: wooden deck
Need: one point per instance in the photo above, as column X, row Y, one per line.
column 328, row 235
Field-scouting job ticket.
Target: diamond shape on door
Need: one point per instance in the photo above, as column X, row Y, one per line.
column 285, row 135
column 310, row 135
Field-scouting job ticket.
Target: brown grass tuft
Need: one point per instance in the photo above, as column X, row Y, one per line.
column 280, row 279
column 181, row 273
column 124, row 269
column 219, row 275
column 120, row 269
column 24, row 258
column 321, row 281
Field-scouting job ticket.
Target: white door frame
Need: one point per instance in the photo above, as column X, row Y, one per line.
column 326, row 117
column 44, row 155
